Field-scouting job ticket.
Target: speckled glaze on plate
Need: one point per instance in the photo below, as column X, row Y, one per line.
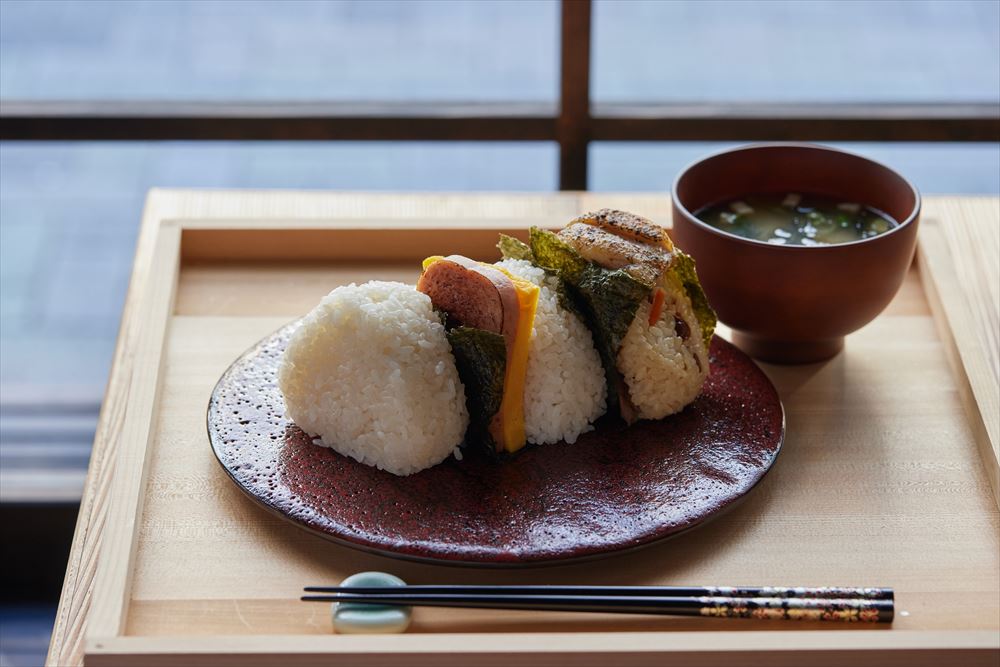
column 615, row 489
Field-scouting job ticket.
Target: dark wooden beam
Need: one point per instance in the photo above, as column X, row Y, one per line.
column 112, row 121
column 796, row 122
column 573, row 124
column 156, row 121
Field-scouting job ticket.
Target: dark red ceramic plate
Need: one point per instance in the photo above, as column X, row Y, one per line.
column 615, row 489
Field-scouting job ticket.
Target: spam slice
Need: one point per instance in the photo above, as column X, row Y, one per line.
column 483, row 297
column 473, row 294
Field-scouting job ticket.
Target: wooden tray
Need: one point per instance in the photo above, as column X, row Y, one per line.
column 885, row 478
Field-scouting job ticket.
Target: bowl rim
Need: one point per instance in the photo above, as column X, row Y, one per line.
column 691, row 217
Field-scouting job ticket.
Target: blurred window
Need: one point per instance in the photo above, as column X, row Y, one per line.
column 935, row 168
column 294, row 50
column 817, row 51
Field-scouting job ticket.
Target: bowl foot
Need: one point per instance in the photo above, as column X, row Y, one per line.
column 788, row 351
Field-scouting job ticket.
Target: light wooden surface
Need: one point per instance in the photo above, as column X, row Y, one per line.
column 881, row 480
column 962, row 280
column 125, row 502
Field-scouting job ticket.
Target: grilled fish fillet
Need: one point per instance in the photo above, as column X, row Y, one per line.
column 629, row 226
column 621, row 240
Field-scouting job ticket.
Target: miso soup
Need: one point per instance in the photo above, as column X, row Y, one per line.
column 796, row 219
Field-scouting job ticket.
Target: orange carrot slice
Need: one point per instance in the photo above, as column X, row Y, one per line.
column 654, row 313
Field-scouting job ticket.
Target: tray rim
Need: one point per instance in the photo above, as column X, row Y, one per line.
column 878, row 647
column 149, row 306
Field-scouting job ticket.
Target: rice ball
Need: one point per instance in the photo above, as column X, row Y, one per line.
column 663, row 365
column 370, row 372
column 565, row 390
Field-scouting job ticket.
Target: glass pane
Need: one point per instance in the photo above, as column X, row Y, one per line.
column 818, row 51
column 933, row 167
column 279, row 51
column 69, row 214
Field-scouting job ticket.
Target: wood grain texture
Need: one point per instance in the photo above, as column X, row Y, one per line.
column 880, row 481
column 598, row 649
column 960, row 264
column 112, row 585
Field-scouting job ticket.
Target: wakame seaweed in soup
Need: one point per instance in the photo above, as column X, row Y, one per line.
column 796, row 219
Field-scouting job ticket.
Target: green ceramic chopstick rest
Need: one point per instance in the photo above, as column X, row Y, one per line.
column 351, row 618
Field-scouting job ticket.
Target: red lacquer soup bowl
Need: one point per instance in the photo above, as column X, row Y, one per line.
column 787, row 303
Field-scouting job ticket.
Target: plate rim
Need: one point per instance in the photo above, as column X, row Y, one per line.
column 485, row 564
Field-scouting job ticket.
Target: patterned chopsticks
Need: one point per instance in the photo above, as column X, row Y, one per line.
column 869, row 605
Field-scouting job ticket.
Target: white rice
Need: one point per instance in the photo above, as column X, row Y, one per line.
column 371, row 373
column 663, row 372
column 565, row 389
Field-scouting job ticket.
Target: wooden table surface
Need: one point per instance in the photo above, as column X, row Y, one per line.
column 963, row 256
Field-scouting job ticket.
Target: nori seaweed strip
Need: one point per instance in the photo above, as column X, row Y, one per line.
column 511, row 248
column 608, row 299
column 682, row 269
column 481, row 360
